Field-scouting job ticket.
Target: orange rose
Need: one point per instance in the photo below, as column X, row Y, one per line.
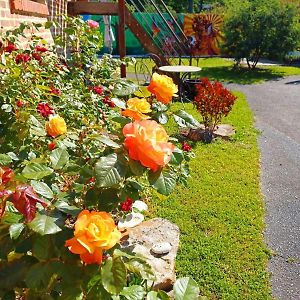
column 147, row 141
column 94, row 232
column 56, row 126
column 136, row 108
column 163, row 88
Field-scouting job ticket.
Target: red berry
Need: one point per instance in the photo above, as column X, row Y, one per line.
column 22, row 58
column 186, row 147
column 37, row 56
column 19, row 103
column 126, row 205
column 10, row 48
column 40, row 48
column 92, row 180
column 51, row 146
column 98, row 90
column 45, row 109
column 55, row 91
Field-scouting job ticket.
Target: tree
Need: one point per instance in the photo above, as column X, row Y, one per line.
column 260, row 28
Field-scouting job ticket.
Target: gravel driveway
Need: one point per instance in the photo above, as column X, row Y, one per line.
column 276, row 106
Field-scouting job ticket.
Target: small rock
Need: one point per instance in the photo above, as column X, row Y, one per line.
column 161, row 248
column 224, row 131
column 130, row 221
column 140, row 205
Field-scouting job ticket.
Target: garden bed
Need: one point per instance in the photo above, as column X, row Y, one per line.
column 220, row 214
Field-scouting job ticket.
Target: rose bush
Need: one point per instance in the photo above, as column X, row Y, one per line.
column 69, row 164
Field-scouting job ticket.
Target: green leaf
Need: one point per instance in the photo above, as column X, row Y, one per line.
column 164, row 181
column 39, row 276
column 142, row 92
column 102, row 199
column 120, row 253
column 6, row 107
column 37, row 131
column 141, row 267
column 183, row 119
column 133, row 292
column 12, row 273
column 124, row 88
column 59, row 158
column 13, row 156
column 36, row 171
column 96, row 289
column 113, row 274
column 107, row 141
column 136, row 168
column 176, row 157
column 110, row 170
column 34, row 121
column 121, row 120
column 119, row 103
column 15, row 230
column 186, row 289
column 162, row 295
column 42, row 247
column 152, row 296
column 42, row 189
column 5, row 160
column 44, row 224
column 67, row 209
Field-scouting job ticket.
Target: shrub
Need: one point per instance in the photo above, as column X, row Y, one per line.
column 69, row 161
column 213, row 101
column 260, row 28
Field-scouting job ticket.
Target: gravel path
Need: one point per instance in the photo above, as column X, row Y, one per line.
column 276, row 106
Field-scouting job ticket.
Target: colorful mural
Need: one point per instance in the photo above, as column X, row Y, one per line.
column 204, row 33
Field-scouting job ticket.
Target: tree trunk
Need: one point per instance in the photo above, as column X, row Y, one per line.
column 191, row 6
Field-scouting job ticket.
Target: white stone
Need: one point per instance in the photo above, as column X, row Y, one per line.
column 140, row 205
column 130, row 221
column 161, row 248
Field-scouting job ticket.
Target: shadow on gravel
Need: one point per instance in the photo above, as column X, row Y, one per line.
column 293, row 82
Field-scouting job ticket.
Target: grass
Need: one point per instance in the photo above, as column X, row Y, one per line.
column 220, row 214
column 222, row 70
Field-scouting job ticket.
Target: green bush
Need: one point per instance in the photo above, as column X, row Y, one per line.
column 256, row 29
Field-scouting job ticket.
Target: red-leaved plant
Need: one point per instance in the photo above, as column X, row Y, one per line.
column 213, row 101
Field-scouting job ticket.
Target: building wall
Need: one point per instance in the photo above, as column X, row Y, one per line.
column 38, row 14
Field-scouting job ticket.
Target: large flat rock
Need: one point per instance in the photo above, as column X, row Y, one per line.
column 156, row 231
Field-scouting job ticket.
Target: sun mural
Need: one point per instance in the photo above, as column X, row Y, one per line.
column 204, row 33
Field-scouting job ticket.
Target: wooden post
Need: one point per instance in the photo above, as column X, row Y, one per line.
column 122, row 42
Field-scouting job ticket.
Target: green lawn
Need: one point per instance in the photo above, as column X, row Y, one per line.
column 221, row 214
column 222, row 69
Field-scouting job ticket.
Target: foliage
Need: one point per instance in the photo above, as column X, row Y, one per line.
column 67, row 167
column 220, row 214
column 255, row 29
column 213, row 101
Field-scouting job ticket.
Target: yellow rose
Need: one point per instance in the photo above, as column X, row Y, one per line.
column 56, row 126
column 136, row 108
column 94, row 232
column 163, row 88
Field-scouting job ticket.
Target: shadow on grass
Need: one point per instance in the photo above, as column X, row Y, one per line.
column 240, row 75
